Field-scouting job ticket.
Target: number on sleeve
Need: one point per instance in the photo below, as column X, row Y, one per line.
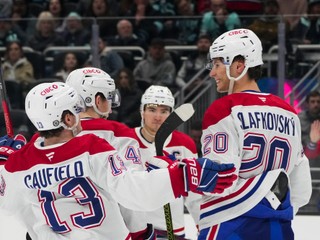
column 132, row 155
column 219, row 143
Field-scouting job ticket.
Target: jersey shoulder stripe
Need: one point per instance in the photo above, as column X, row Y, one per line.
column 181, row 139
column 30, row 155
column 221, row 108
column 118, row 129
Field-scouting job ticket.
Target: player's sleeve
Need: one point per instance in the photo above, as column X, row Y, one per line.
column 136, row 190
column 142, row 190
column 192, row 202
column 128, row 150
column 300, row 183
column 11, row 189
column 220, row 142
column 135, row 220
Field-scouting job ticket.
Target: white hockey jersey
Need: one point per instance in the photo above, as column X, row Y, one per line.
column 76, row 187
column 260, row 133
column 122, row 139
column 119, row 136
column 181, row 146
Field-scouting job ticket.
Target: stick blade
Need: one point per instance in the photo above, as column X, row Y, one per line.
column 185, row 111
column 174, row 120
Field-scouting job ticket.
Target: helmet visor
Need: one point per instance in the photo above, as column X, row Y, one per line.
column 115, row 98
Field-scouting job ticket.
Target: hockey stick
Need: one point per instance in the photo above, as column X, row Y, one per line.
column 5, row 105
column 174, row 120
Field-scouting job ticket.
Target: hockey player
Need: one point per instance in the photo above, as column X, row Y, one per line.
column 261, row 134
column 157, row 103
column 98, row 90
column 76, row 183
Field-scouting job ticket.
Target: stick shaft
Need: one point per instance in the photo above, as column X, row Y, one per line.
column 5, row 105
column 173, row 121
column 7, row 119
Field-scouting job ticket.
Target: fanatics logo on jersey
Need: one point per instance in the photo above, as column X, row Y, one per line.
column 50, row 156
column 2, row 186
column 263, row 99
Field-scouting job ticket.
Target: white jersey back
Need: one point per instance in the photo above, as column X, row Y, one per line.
column 122, row 139
column 260, row 134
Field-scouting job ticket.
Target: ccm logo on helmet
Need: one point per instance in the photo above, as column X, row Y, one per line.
column 48, row 89
column 241, row 31
column 86, row 71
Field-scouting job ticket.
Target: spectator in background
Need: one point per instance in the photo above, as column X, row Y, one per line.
column 45, row 35
column 5, row 7
column 74, row 33
column 125, row 36
column 292, row 10
column 186, row 28
column 110, row 61
column 128, row 111
column 165, row 8
column 125, row 7
column 82, row 6
column 246, row 9
column 9, row 33
column 70, row 63
column 310, row 134
column 307, row 31
column 16, row 66
column 266, row 26
column 20, row 17
column 195, row 62
column 202, row 6
column 55, row 7
column 309, row 115
column 195, row 133
column 312, row 149
column 102, row 9
column 219, row 20
column 144, row 27
column 158, row 67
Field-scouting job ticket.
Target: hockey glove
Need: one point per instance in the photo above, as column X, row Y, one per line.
column 202, row 175
column 9, row 145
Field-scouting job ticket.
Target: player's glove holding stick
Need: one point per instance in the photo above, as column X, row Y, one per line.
column 196, row 175
column 10, row 145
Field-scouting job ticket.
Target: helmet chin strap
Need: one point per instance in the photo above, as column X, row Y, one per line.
column 233, row 79
column 102, row 114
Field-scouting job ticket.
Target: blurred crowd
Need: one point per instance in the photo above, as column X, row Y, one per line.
column 34, row 26
column 29, row 28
